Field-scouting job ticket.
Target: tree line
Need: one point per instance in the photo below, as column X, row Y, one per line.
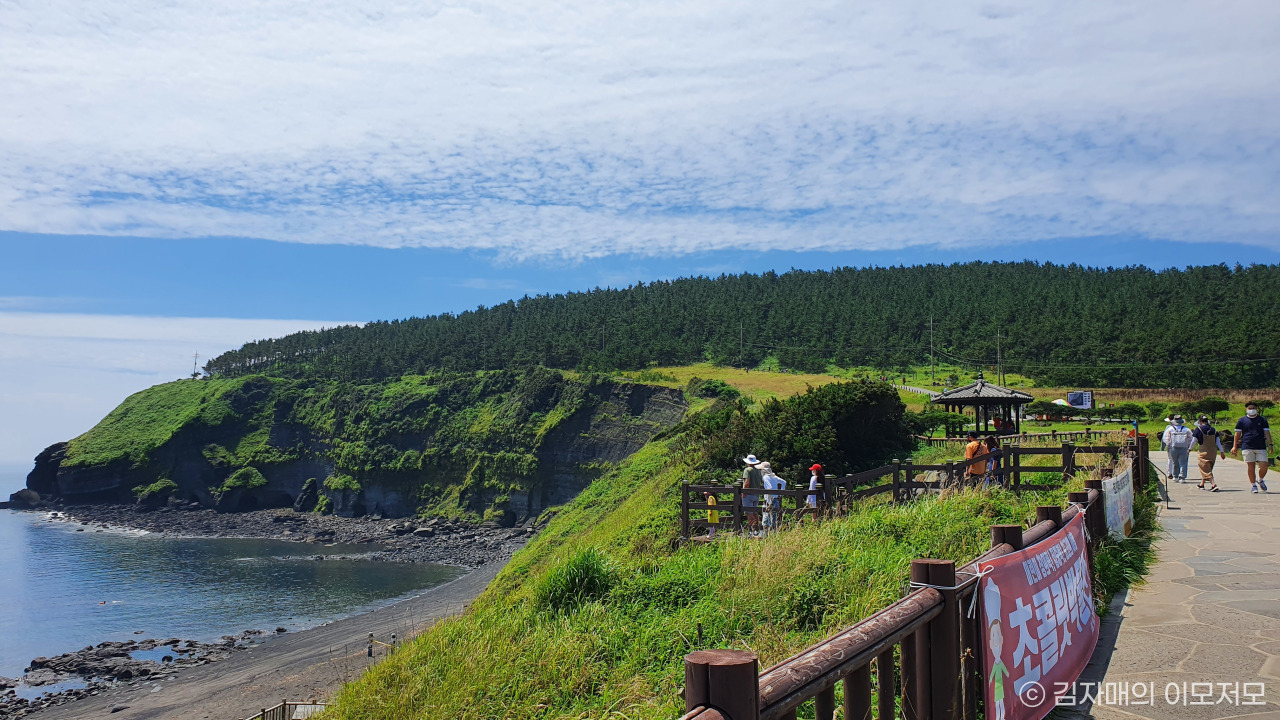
column 1061, row 325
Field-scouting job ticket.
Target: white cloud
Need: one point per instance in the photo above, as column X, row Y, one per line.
column 61, row 373
column 583, row 129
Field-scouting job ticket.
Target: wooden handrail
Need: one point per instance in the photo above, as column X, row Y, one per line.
column 938, row 645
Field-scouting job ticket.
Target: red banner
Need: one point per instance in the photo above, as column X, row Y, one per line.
column 1039, row 624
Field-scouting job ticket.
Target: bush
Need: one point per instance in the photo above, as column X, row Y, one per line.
column 246, row 478
column 847, row 427
column 334, row 483
column 713, row 389
column 586, row 576
column 162, row 486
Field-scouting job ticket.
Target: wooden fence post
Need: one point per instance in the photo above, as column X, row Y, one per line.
column 1015, row 472
column 737, row 509
column 1011, row 534
column 897, row 480
column 1096, row 520
column 886, row 687
column 1143, row 460
column 1083, row 499
column 684, row 509
column 727, row 680
column 943, row 637
column 857, row 694
column 917, row 665
column 1068, row 461
column 1049, row 512
column 951, row 475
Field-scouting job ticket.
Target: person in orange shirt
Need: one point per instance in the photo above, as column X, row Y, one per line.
column 975, row 448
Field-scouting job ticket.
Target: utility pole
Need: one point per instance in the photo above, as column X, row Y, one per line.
column 195, row 365
column 932, row 377
column 999, row 361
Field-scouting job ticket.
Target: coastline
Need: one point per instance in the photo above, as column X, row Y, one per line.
column 393, row 539
column 308, row 665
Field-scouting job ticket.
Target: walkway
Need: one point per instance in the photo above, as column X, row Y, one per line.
column 918, row 391
column 1210, row 611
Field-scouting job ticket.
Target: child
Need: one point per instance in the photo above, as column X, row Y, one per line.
column 713, row 516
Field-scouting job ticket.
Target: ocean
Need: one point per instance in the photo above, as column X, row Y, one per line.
column 62, row 590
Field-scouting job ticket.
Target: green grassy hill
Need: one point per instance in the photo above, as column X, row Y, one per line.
column 593, row 617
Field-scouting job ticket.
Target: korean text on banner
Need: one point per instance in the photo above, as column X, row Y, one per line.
column 1038, row 623
column 1119, row 505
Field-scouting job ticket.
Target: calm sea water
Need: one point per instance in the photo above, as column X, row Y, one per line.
column 62, row 590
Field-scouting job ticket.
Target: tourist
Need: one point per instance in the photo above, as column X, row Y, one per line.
column 995, row 474
column 752, row 479
column 815, row 482
column 1177, row 438
column 773, row 509
column 975, row 448
column 713, row 515
column 1209, row 444
column 1253, row 442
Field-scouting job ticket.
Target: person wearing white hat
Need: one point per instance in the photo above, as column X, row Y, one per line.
column 752, row 478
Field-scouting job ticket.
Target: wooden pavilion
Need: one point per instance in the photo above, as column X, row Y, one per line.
column 988, row 401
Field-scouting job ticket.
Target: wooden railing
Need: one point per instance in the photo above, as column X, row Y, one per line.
column 289, row 711
column 1086, row 434
column 926, row 639
column 836, row 495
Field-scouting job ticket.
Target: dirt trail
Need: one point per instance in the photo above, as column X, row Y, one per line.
column 311, row 664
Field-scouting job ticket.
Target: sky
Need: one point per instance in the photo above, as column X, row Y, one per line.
column 183, row 177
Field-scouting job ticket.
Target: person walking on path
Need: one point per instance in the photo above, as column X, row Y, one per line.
column 815, row 482
column 752, row 479
column 1177, row 438
column 713, row 515
column 1209, row 443
column 1253, row 442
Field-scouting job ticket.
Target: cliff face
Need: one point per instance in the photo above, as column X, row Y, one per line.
column 497, row 446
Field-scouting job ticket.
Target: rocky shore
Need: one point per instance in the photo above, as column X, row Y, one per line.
column 400, row 540
column 112, row 669
column 97, row 669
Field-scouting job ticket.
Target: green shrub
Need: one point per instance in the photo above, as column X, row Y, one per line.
column 334, row 483
column 324, row 505
column 161, row 486
column 586, row 576
column 246, row 478
column 713, row 389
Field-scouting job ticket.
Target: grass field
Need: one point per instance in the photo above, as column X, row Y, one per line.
column 593, row 617
column 760, row 384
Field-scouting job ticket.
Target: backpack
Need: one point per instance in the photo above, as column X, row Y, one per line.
column 1179, row 437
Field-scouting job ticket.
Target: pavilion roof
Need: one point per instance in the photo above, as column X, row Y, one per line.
column 981, row 392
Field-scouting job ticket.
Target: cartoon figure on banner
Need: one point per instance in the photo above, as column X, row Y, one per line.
column 995, row 637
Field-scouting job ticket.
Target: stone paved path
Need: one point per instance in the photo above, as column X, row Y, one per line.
column 1210, row 611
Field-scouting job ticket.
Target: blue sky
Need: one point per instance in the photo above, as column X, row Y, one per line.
column 182, row 178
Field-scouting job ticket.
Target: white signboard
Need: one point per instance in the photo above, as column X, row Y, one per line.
column 1119, row 506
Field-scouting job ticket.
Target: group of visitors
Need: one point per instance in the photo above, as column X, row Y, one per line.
column 1252, row 441
column 985, row 473
column 763, row 510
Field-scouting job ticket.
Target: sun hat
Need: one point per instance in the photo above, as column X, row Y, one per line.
column 765, row 466
column 1177, row 417
column 1203, row 418
column 751, row 460
column 815, row 468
